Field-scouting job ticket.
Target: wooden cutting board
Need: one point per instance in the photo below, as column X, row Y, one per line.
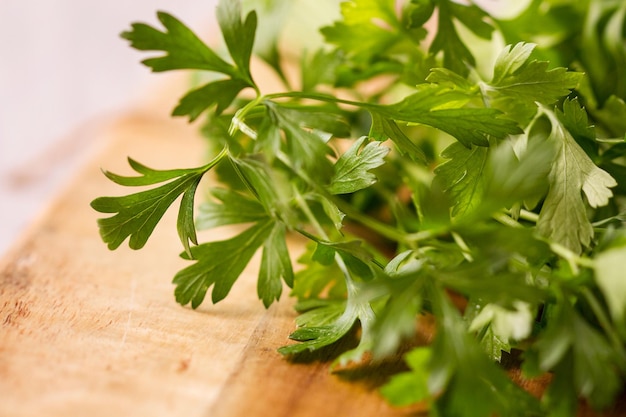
column 89, row 332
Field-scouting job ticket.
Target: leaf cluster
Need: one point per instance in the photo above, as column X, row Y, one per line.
column 483, row 193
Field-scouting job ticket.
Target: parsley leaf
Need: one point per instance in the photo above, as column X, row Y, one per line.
column 352, row 169
column 275, row 263
column 183, row 49
column 456, row 55
column 383, row 129
column 220, row 93
column 570, row 340
column 519, row 83
column 238, row 35
column 470, row 377
column 364, row 30
column 411, row 387
column 571, row 172
column 497, row 327
column 353, row 261
column 234, row 208
column 441, row 107
column 316, row 281
column 516, row 76
column 462, row 176
column 138, row 214
column 498, row 218
column 219, row 264
column 402, row 289
column 317, row 336
column 304, row 146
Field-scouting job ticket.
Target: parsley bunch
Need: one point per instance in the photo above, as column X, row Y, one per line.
column 481, row 190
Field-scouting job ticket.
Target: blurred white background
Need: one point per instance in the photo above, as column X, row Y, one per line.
column 64, row 69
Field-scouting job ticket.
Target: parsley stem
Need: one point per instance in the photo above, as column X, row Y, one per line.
column 506, row 220
column 223, row 153
column 572, row 258
column 369, row 222
column 310, row 216
column 319, row 97
column 320, row 230
column 385, row 230
column 237, row 121
column 529, row 216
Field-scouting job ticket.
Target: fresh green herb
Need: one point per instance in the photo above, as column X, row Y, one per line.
column 478, row 184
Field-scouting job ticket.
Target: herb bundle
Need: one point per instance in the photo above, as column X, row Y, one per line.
column 432, row 176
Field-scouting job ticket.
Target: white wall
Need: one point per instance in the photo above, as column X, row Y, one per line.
column 63, row 65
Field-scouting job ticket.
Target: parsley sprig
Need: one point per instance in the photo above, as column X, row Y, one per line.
column 486, row 194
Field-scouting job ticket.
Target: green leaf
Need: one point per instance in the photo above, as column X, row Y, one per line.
column 356, row 257
column 138, row 214
column 324, row 254
column 318, row 336
column 330, row 209
column 320, row 69
column 319, row 312
column 275, row 263
column 183, row 49
column 570, row 342
column 563, row 216
column 442, row 108
column 234, row 208
column 219, row 264
column 575, row 119
column 497, row 326
column 316, row 280
column 411, row 387
column 418, row 12
column 456, row 55
column 613, row 116
column 472, row 17
column 519, row 83
column 313, row 338
column 451, row 79
column 148, row 175
column 383, row 129
column 461, row 176
column 467, row 376
column 238, row 34
column 185, row 222
column 560, row 399
column 307, row 150
column 220, row 93
column 396, row 321
column 493, row 344
column 364, row 32
column 516, row 175
column 352, row 169
column 271, row 189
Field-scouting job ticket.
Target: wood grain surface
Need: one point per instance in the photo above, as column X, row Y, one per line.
column 89, row 332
